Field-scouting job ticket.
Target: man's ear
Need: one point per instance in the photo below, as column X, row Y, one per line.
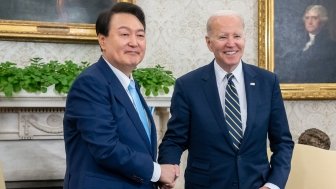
column 101, row 41
column 208, row 42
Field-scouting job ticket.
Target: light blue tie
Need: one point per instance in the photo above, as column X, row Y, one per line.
column 139, row 107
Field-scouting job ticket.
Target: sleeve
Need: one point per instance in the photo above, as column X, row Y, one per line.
column 280, row 138
column 175, row 140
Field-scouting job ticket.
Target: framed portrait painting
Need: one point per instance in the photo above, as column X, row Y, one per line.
column 297, row 41
column 51, row 20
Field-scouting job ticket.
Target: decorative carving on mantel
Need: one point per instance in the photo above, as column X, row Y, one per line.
column 33, row 124
column 45, row 125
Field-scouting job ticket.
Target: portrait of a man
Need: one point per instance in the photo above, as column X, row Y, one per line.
column 304, row 42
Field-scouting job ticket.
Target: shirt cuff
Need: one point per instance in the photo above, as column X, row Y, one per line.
column 271, row 186
column 156, row 173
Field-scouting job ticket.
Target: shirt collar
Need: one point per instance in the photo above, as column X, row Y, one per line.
column 311, row 37
column 237, row 72
column 124, row 79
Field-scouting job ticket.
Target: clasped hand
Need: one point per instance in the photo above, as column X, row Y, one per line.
column 169, row 174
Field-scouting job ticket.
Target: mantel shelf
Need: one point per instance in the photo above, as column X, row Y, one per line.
column 59, row 102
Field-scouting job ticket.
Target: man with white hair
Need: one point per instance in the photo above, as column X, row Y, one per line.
column 315, row 18
column 223, row 113
column 314, row 60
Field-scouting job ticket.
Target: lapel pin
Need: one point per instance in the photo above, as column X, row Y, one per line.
column 252, row 84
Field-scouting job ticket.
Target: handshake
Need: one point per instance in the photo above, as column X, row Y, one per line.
column 169, row 174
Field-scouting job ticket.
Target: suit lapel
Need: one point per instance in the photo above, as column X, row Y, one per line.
column 251, row 86
column 152, row 124
column 211, row 92
column 122, row 96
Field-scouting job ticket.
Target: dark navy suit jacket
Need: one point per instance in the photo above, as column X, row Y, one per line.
column 198, row 125
column 105, row 142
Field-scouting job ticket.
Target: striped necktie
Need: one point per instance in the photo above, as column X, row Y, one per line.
column 232, row 112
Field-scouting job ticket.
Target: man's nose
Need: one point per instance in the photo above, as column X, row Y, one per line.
column 133, row 40
column 230, row 41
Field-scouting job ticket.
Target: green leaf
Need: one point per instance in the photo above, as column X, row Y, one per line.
column 8, row 90
column 154, row 79
column 166, row 89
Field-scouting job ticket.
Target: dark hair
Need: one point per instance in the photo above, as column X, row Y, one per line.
column 315, row 137
column 104, row 18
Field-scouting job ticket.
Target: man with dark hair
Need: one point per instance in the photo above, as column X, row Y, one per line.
column 109, row 133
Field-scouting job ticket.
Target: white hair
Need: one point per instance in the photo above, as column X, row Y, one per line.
column 223, row 13
column 320, row 10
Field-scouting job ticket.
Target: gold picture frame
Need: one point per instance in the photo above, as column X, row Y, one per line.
column 44, row 31
column 266, row 44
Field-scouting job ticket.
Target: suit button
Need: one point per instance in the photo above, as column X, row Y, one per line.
column 234, row 184
column 137, row 179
